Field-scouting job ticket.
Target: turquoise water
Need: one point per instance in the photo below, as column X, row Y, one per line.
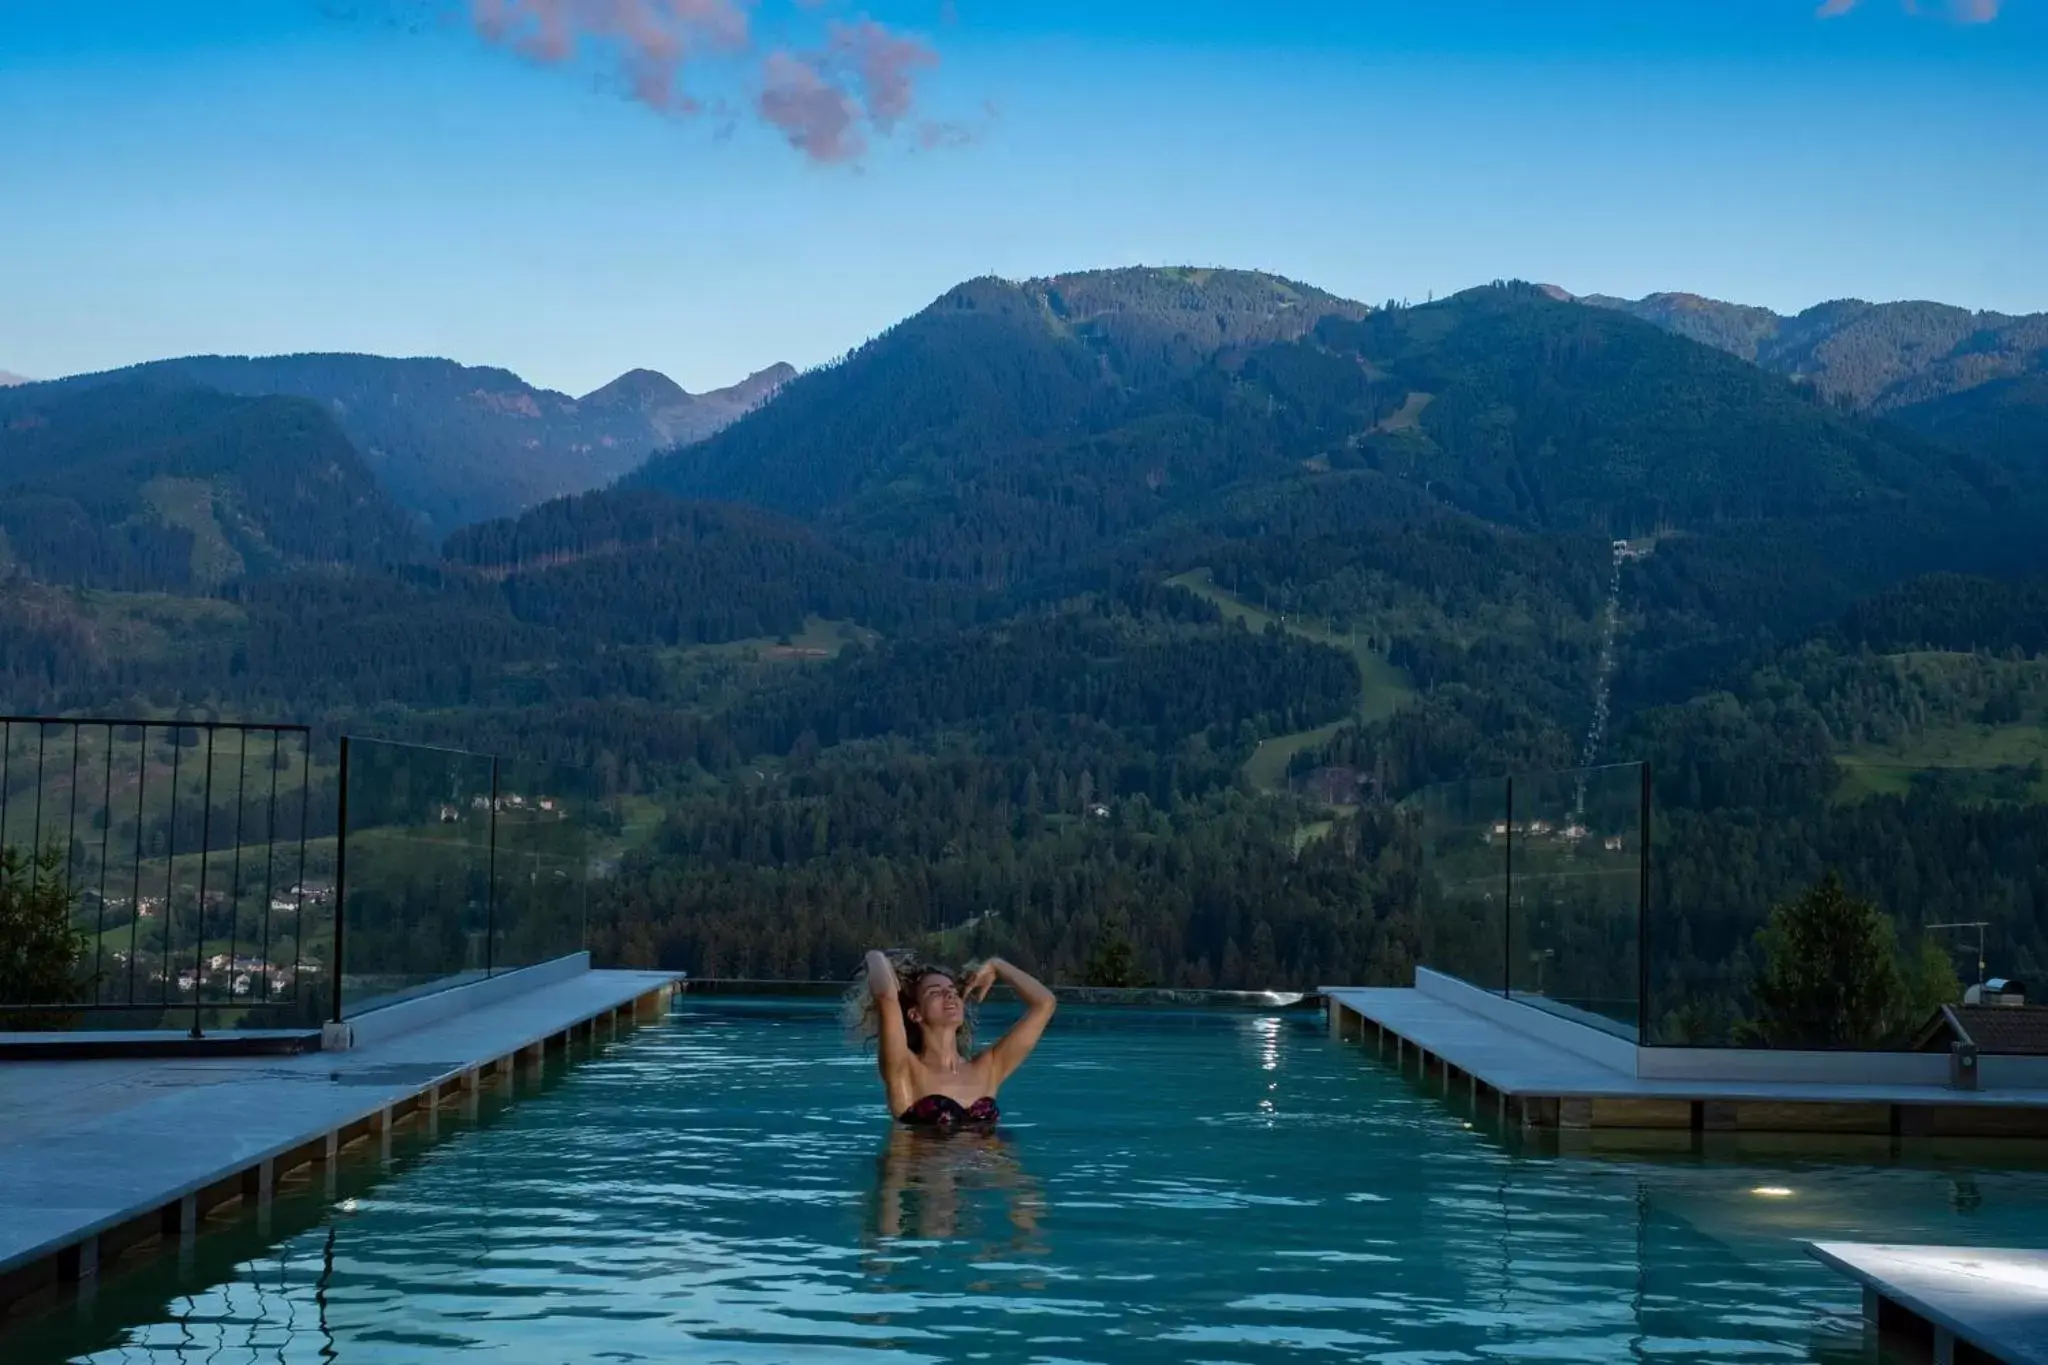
column 1191, row 1187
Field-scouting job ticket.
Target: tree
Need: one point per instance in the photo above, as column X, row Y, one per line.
column 39, row 950
column 1831, row 975
column 1114, row 960
column 1930, row 982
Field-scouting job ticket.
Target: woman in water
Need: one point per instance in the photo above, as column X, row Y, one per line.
column 920, row 1023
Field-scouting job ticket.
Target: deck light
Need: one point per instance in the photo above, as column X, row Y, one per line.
column 1771, row 1192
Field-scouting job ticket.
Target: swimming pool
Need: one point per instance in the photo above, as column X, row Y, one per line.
column 1204, row 1187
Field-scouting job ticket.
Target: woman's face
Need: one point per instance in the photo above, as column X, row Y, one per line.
column 938, row 1001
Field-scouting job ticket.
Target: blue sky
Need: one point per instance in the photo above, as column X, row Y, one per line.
column 255, row 176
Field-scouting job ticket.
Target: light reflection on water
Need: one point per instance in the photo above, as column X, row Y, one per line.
column 1165, row 1188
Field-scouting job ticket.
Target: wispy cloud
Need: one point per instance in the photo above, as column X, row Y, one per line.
column 1962, row 11
column 885, row 63
column 650, row 39
column 816, row 117
column 827, row 102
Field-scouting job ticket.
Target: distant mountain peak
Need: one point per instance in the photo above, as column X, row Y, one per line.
column 759, row 385
column 8, row 379
column 652, row 391
column 639, row 389
column 737, row 400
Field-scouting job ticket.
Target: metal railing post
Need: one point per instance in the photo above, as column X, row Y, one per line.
column 340, row 878
column 491, row 893
column 171, row 861
column 1643, row 1015
column 35, row 850
column 299, row 892
column 106, row 844
column 135, row 890
column 205, row 853
column 1507, row 910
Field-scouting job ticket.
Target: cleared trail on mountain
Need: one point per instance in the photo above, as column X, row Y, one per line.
column 1384, row 688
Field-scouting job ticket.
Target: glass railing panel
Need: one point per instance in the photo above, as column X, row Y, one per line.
column 1462, row 929
column 549, row 819
column 1577, row 880
column 417, row 897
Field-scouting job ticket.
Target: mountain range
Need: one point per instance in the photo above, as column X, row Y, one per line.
column 1978, row 380
column 9, row 379
column 455, row 444
column 1113, row 602
column 1008, row 429
column 1879, row 357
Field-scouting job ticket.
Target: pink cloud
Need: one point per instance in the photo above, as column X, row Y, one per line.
column 816, row 117
column 824, row 102
column 885, row 64
column 1962, row 11
column 649, row 39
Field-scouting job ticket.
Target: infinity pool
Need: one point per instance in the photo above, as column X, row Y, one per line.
column 1167, row 1187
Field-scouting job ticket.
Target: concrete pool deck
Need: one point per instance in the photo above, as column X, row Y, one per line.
column 1960, row 1303
column 1541, row 1071
column 97, row 1157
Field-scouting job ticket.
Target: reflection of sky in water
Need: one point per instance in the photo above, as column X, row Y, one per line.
column 1172, row 1187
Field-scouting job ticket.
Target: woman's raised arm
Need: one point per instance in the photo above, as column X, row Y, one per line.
column 1013, row 1047
column 893, row 1049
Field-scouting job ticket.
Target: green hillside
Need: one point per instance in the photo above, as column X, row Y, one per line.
column 1383, row 690
column 154, row 485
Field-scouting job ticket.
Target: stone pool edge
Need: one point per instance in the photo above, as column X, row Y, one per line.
column 81, row 1197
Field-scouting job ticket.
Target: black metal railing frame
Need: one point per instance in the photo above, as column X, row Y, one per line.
column 114, row 730
column 162, row 831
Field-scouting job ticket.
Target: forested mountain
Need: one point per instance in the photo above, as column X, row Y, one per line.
column 1009, row 428
column 153, row 484
column 1873, row 356
column 635, row 567
column 456, row 444
column 995, row 439
column 1974, row 381
column 2004, row 420
column 1527, row 410
column 1143, row 604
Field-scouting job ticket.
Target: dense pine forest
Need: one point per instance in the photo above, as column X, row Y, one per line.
column 1122, row 618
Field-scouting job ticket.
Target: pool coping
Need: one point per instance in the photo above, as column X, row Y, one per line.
column 1134, row 997
column 1945, row 1295
column 1539, row 1071
column 199, row 1135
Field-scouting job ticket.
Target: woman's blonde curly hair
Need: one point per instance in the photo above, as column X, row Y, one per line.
column 864, row 1021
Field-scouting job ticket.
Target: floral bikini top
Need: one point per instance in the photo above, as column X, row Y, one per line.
column 943, row 1111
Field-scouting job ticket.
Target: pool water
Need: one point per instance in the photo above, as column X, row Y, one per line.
column 1165, row 1187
